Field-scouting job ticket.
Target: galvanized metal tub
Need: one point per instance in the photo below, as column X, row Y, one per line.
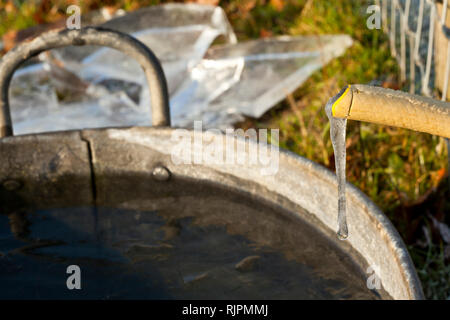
column 122, row 167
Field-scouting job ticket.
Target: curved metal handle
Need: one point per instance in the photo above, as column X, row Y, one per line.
column 87, row 36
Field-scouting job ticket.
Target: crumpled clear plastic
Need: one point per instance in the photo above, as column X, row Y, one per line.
column 272, row 69
column 91, row 87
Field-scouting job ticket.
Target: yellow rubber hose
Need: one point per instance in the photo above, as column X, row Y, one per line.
column 393, row 108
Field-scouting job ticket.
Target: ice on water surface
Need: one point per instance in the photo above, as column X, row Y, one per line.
column 91, row 87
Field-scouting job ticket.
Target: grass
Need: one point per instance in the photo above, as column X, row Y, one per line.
column 430, row 262
column 402, row 171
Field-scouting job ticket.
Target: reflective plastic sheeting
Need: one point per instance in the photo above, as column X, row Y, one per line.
column 92, row 87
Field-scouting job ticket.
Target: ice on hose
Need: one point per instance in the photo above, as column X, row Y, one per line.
column 91, row 87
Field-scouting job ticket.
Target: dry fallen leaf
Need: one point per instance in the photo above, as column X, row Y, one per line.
column 246, row 6
column 9, row 40
column 207, row 2
column 277, row 4
column 13, row 37
column 265, row 33
column 9, row 7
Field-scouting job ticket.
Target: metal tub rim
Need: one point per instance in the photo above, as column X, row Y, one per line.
column 301, row 181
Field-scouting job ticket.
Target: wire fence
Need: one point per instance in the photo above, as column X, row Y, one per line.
column 420, row 41
column 410, row 25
